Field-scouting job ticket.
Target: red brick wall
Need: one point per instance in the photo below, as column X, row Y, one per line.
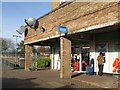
column 75, row 16
column 65, row 50
column 28, row 57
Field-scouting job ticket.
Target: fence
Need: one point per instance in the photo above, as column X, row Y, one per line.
column 11, row 61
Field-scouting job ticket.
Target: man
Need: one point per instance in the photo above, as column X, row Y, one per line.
column 100, row 63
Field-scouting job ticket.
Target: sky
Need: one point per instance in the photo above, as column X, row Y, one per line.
column 14, row 13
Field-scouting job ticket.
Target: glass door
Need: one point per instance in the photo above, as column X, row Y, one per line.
column 85, row 57
column 75, row 62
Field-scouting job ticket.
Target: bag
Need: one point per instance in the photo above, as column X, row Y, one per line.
column 104, row 60
column 118, row 71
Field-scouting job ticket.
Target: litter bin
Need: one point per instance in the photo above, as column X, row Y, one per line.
column 90, row 68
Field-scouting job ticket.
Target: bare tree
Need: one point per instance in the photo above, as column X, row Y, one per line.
column 41, row 50
column 6, row 45
column 21, row 47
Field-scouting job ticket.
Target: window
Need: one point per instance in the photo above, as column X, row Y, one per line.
column 101, row 47
column 26, row 32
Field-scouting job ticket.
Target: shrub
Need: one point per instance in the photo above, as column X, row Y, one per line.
column 42, row 62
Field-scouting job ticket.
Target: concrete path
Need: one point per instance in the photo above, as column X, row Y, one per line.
column 104, row 81
column 51, row 79
column 38, row 79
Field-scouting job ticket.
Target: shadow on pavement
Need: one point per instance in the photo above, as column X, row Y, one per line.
column 18, row 83
column 69, row 87
column 77, row 74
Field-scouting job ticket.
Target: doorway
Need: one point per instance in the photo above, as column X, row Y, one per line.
column 85, row 57
column 75, row 60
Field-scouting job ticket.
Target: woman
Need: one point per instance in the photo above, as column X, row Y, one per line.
column 100, row 63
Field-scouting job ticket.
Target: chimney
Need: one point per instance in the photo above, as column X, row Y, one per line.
column 55, row 3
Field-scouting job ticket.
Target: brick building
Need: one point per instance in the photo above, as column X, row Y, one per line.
column 92, row 28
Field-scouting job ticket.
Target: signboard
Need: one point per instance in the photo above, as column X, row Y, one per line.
column 62, row 29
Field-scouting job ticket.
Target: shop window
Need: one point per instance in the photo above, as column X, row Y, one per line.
column 76, row 50
column 101, row 47
column 114, row 47
column 85, row 57
column 111, row 46
column 117, row 47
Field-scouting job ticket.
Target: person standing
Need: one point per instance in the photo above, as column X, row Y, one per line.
column 100, row 59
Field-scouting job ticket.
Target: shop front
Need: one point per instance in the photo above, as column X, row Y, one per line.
column 79, row 58
column 85, row 32
column 109, row 44
column 85, row 49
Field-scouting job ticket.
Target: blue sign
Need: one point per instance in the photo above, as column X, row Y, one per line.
column 62, row 29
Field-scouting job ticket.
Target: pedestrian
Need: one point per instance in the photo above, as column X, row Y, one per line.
column 100, row 59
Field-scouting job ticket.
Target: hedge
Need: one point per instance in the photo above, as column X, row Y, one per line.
column 42, row 62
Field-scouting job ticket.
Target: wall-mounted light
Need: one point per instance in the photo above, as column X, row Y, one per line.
column 42, row 29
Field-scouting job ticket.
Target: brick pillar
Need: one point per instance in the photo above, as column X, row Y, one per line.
column 65, row 51
column 17, row 61
column 50, row 57
column 28, row 56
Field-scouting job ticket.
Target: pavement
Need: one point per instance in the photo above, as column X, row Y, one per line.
column 105, row 81
column 51, row 79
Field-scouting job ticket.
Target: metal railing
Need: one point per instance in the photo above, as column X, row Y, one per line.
column 10, row 59
column 9, row 63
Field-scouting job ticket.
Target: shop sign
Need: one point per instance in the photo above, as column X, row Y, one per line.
column 62, row 29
